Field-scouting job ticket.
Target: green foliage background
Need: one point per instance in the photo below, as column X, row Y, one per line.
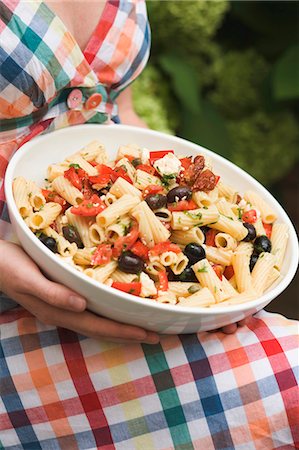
column 225, row 74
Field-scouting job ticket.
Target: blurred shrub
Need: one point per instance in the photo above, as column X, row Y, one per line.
column 153, row 100
column 225, row 75
column 238, row 79
column 265, row 145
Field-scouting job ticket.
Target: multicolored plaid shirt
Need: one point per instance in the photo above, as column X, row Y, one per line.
column 60, row 390
column 42, row 67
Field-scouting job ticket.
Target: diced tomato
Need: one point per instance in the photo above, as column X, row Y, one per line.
column 104, row 175
column 120, row 172
column 140, row 249
column 218, row 269
column 162, row 281
column 162, row 247
column 133, row 288
column 130, row 157
column 152, row 189
column 87, row 190
column 54, row 227
column 89, row 207
column 182, row 205
column 146, row 168
column 52, row 196
column 186, row 162
column 158, row 154
column 249, row 216
column 102, row 255
column 268, row 228
column 126, row 242
column 75, row 175
column 217, row 178
column 93, row 163
column 229, row 272
column 210, row 237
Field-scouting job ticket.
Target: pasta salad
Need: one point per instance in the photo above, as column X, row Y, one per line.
column 157, row 225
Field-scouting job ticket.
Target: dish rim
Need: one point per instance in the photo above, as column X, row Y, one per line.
column 267, row 297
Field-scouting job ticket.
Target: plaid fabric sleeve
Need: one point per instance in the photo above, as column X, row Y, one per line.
column 207, row 391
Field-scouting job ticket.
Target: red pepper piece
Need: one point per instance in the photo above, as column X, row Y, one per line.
column 182, row 205
column 158, row 154
column 102, row 255
column 210, row 237
column 249, row 216
column 89, row 207
column 140, row 250
column 133, row 288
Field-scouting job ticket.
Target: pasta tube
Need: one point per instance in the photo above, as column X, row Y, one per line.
column 119, row 208
column 267, row 213
column 207, row 277
column 201, row 298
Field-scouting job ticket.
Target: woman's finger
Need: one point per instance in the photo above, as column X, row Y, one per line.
column 86, row 323
column 229, row 329
column 56, row 294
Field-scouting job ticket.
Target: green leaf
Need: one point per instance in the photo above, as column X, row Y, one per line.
column 208, row 129
column 286, row 75
column 184, row 81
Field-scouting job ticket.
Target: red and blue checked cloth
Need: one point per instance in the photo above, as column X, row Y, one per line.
column 207, row 391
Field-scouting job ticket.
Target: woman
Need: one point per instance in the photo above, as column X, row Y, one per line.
column 59, row 388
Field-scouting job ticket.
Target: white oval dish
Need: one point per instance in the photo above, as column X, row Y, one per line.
column 32, row 160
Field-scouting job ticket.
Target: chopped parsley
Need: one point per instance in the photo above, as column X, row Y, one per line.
column 75, row 166
column 125, row 228
column 240, row 212
column 204, row 269
column 228, row 217
column 166, row 179
column 193, row 215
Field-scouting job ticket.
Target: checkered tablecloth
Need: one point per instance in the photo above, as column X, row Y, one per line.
column 207, row 391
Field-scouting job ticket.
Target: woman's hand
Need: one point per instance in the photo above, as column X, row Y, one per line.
column 232, row 328
column 54, row 304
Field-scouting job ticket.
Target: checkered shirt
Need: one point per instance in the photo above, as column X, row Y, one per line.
column 41, row 64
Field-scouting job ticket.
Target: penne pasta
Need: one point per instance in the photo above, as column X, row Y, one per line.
column 67, row 191
column 201, row 298
column 261, row 271
column 208, row 278
column 228, row 225
column 122, row 187
column 225, row 241
column 197, row 217
column 279, row 239
column 240, row 263
column 45, row 216
column 267, row 214
column 20, row 192
column 117, row 209
column 118, row 228
column 183, row 238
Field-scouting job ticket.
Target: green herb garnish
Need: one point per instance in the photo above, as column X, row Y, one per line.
column 204, row 269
